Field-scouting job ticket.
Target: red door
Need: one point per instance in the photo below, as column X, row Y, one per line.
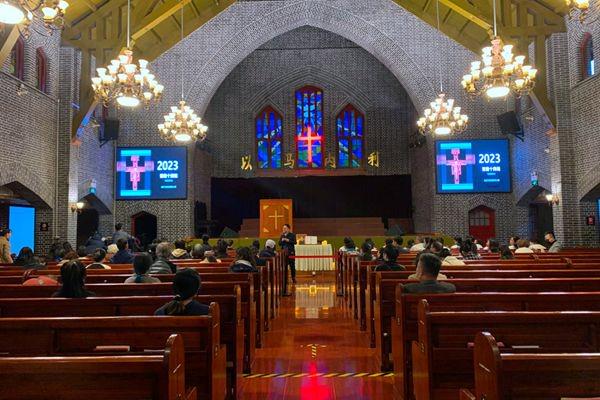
column 482, row 223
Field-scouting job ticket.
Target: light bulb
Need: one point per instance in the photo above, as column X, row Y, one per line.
column 49, row 13
column 497, row 91
column 183, row 137
column 442, row 130
column 128, row 101
column 10, row 14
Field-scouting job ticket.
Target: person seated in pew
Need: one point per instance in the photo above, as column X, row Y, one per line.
column 244, row 261
column 68, row 256
column 180, row 252
column 512, row 242
column 162, row 265
column 397, row 243
column 221, row 249
column 255, row 245
column 428, row 269
column 72, row 275
column 96, row 241
column 205, row 245
column 141, row 264
column 27, row 259
column 98, row 256
column 468, row 250
column 269, row 250
column 418, row 245
column 523, row 247
column 457, row 243
column 365, row 252
column 83, row 254
column 536, row 246
column 441, row 277
column 197, row 252
column 209, row 257
column 492, row 246
column 349, row 246
column 5, row 253
column 505, row 253
column 555, row 246
column 390, row 255
column 371, row 243
column 186, row 285
column 259, row 262
column 123, row 256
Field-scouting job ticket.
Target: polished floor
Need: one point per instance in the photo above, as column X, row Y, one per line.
column 315, row 351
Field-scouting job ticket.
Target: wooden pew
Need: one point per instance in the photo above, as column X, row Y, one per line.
column 205, row 357
column 443, row 355
column 160, row 377
column 160, row 289
column 385, row 293
column 404, row 324
column 531, row 376
column 231, row 323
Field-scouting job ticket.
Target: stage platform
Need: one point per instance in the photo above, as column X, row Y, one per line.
column 365, row 226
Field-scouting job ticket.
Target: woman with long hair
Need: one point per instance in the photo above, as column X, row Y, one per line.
column 186, row 285
column 73, row 275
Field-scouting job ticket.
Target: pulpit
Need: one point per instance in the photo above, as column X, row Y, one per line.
column 274, row 213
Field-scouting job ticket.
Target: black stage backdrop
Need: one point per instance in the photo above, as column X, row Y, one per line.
column 234, row 199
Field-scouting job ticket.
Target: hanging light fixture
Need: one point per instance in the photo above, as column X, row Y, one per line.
column 124, row 81
column 182, row 124
column 443, row 118
column 581, row 6
column 50, row 12
column 501, row 72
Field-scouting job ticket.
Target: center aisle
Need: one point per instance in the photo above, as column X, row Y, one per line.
column 315, row 351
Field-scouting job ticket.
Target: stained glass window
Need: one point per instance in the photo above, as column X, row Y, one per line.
column 42, row 70
column 269, row 135
column 309, row 127
column 349, row 126
column 17, row 56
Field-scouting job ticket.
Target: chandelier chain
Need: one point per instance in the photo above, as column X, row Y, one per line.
column 494, row 11
column 128, row 23
column 182, row 57
column 437, row 9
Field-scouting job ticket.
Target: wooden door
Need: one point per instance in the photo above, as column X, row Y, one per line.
column 482, row 223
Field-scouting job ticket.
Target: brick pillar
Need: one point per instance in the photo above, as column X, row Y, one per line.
column 566, row 213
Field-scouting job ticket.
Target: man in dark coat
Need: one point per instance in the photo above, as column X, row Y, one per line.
column 287, row 241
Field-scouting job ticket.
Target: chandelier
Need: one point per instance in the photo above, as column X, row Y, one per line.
column 443, row 118
column 578, row 5
column 51, row 13
column 182, row 124
column 501, row 72
column 127, row 83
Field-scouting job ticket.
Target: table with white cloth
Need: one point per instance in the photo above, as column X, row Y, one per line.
column 314, row 264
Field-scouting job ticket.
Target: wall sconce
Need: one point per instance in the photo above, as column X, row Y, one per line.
column 77, row 207
column 552, row 199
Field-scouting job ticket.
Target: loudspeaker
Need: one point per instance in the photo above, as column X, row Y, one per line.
column 110, row 130
column 509, row 124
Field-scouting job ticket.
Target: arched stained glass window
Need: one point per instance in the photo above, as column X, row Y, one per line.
column 587, row 56
column 349, row 129
column 269, row 136
column 309, row 127
column 42, row 70
column 17, row 59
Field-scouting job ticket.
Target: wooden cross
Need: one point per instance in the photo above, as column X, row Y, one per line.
column 276, row 216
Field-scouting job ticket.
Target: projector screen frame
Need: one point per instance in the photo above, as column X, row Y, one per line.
column 116, row 189
column 435, row 166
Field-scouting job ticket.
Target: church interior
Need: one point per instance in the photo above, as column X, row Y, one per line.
column 299, row 199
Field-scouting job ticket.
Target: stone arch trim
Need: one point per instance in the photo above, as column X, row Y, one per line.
column 292, row 15
column 530, row 195
column 40, row 192
column 484, row 200
column 588, row 184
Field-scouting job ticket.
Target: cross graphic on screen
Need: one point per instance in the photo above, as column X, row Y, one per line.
column 135, row 170
column 457, row 164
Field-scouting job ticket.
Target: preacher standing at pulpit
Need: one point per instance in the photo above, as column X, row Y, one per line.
column 287, row 241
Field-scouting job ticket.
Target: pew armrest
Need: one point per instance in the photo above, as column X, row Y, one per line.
column 192, row 394
column 466, row 394
column 114, row 349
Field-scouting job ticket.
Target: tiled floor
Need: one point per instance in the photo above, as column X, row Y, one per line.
column 314, row 337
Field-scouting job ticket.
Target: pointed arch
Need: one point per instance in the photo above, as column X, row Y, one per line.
column 269, row 138
column 349, row 132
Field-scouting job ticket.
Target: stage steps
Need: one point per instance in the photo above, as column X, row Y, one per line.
column 359, row 226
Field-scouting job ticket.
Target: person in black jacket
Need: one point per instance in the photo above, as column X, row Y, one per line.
column 244, row 261
column 390, row 255
column 94, row 242
column 162, row 265
column 287, row 241
column 269, row 250
column 186, row 285
column 27, row 259
column 72, row 275
column 428, row 268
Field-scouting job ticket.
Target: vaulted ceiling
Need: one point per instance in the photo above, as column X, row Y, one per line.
column 98, row 27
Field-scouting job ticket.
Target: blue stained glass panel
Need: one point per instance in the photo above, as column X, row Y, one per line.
column 269, row 135
column 350, row 133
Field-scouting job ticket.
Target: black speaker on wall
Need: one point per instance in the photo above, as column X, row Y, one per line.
column 509, row 125
column 109, row 130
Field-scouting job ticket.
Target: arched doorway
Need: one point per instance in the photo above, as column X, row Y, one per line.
column 144, row 227
column 482, row 223
column 87, row 223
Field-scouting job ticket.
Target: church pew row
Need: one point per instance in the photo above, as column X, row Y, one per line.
column 231, row 322
column 366, row 286
column 205, row 357
column 384, row 305
column 159, row 289
column 527, row 376
column 119, row 377
column 262, row 291
column 443, row 355
column 404, row 324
